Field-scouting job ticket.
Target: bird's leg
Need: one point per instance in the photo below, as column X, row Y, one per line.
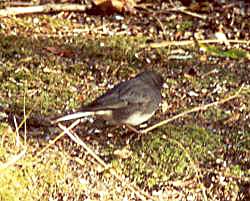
column 132, row 128
column 135, row 135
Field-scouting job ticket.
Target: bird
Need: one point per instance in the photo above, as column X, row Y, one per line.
column 131, row 102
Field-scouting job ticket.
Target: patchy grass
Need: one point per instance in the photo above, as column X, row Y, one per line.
column 202, row 156
column 53, row 175
column 232, row 53
column 171, row 154
column 185, row 25
column 32, row 177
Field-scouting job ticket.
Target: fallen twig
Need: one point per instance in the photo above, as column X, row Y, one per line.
column 141, row 194
column 188, row 42
column 195, row 109
column 13, row 160
column 17, row 132
column 183, row 10
column 74, row 124
column 77, row 140
column 47, row 8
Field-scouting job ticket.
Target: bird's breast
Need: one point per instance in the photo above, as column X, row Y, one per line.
column 138, row 118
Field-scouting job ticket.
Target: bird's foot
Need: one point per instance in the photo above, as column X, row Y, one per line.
column 133, row 129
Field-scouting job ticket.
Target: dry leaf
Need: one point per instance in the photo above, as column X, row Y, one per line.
column 60, row 52
column 110, row 6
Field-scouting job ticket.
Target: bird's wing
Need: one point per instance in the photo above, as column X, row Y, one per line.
column 137, row 92
column 110, row 100
column 125, row 94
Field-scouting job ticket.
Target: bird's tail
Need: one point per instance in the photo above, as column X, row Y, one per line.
column 76, row 115
column 105, row 113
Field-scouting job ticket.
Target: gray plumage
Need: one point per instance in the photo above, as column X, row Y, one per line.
column 131, row 102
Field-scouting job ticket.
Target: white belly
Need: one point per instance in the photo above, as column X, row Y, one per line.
column 138, row 118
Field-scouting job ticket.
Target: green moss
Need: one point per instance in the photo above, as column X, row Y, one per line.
column 185, row 25
column 15, row 185
column 232, row 53
column 236, row 53
column 237, row 171
column 31, row 177
column 170, row 154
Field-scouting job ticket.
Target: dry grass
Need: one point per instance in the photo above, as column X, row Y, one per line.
column 53, row 65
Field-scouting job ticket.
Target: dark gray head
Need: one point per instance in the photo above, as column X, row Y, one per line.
column 152, row 77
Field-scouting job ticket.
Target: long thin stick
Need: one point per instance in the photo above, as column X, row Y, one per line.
column 48, row 8
column 141, row 194
column 13, row 160
column 183, row 10
column 195, row 109
column 77, row 140
column 74, row 124
column 188, row 42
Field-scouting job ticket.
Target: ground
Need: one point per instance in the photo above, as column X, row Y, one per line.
column 51, row 64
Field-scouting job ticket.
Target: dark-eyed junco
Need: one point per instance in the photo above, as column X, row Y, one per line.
column 131, row 102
